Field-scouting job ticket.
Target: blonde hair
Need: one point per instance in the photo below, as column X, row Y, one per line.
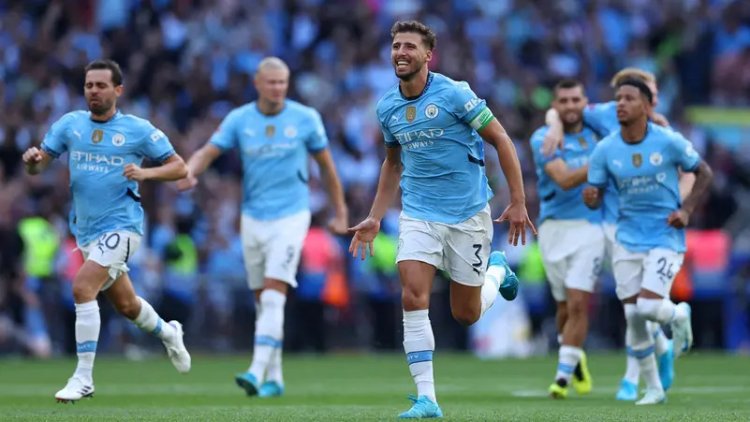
column 632, row 73
column 271, row 63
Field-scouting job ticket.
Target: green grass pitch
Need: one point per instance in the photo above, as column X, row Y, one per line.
column 708, row 387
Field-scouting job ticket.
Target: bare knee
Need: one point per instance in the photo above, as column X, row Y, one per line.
column 129, row 307
column 577, row 309
column 466, row 315
column 415, row 299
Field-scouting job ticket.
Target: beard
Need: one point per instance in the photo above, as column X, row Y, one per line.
column 406, row 77
column 101, row 108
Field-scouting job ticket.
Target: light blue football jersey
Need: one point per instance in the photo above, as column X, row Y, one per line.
column 646, row 178
column 274, row 151
column 104, row 200
column 602, row 118
column 555, row 202
column 443, row 178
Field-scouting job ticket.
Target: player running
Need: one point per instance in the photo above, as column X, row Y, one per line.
column 644, row 161
column 105, row 149
column 433, row 129
column 571, row 238
column 275, row 136
column 602, row 118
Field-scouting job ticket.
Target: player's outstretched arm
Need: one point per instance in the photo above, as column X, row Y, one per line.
column 173, row 168
column 703, row 176
column 197, row 164
column 553, row 139
column 565, row 177
column 35, row 160
column 340, row 222
column 515, row 213
column 390, row 177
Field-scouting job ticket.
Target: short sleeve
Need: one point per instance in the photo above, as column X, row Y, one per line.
column 55, row 141
column 317, row 140
column 388, row 138
column 683, row 152
column 469, row 108
column 537, row 140
column 225, row 136
column 156, row 145
column 598, row 174
column 599, row 116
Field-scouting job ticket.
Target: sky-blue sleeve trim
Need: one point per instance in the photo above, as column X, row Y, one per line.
column 162, row 158
column 694, row 168
column 316, row 150
column 50, row 151
column 598, row 185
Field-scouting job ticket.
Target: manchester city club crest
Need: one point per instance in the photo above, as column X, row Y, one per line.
column 637, row 159
column 411, row 113
column 118, row 140
column 270, row 131
column 97, row 135
column 582, row 142
column 431, row 111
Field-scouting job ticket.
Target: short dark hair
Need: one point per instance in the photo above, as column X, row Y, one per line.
column 640, row 85
column 107, row 64
column 567, row 84
column 428, row 37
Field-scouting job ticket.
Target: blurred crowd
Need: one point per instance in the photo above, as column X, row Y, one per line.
column 188, row 62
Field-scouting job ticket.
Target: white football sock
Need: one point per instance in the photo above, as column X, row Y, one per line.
column 493, row 278
column 269, row 331
column 274, row 372
column 569, row 356
column 419, row 345
column 149, row 321
column 662, row 311
column 632, row 368
column 660, row 339
column 88, row 322
column 643, row 349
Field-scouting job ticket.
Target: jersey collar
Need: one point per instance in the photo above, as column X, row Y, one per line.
column 426, row 86
column 114, row 116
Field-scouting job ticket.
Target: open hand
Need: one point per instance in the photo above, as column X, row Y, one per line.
column 519, row 219
column 364, row 234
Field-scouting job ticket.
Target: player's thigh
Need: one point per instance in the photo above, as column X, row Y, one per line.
column 554, row 258
column 284, row 247
column 253, row 251
column 586, row 262
column 660, row 267
column 467, row 249
column 628, row 271
column 112, row 251
column 419, row 241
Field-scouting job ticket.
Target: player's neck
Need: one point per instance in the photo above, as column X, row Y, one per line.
column 270, row 108
column 573, row 128
column 635, row 132
column 415, row 86
column 101, row 118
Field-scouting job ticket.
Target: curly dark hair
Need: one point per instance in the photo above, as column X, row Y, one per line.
column 428, row 37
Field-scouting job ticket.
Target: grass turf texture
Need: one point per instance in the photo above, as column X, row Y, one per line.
column 344, row 387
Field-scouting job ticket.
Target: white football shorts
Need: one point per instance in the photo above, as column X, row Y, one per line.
column 460, row 249
column 272, row 248
column 572, row 254
column 112, row 251
column 654, row 270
